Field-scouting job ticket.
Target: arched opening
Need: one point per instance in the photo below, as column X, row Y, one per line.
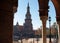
column 34, row 13
column 53, row 25
column 21, row 12
column 52, row 12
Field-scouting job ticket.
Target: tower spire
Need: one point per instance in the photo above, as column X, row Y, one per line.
column 28, row 15
column 28, row 8
column 28, row 5
column 28, row 21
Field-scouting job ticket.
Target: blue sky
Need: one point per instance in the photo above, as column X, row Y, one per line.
column 34, row 7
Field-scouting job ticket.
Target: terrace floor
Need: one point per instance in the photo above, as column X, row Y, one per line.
column 30, row 40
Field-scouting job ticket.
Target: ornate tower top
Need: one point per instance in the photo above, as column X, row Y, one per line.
column 28, row 8
column 28, row 24
column 28, row 15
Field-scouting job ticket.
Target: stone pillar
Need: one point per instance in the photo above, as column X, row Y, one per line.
column 6, row 27
column 43, row 13
column 44, row 19
column 6, row 20
column 58, row 22
column 58, row 32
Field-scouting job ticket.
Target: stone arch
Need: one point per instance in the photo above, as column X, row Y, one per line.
column 56, row 5
column 43, row 7
column 57, row 8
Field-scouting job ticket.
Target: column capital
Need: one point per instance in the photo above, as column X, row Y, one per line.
column 43, row 12
column 43, row 18
column 15, row 5
column 58, row 18
column 14, row 9
column 58, row 22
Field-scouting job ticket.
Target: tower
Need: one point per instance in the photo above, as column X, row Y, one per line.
column 28, row 22
column 17, row 24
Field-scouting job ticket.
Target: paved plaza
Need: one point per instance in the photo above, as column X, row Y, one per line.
column 30, row 40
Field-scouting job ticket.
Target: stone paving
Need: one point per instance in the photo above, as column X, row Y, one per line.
column 30, row 40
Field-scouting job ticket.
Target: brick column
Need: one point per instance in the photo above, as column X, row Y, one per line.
column 6, row 27
column 43, row 13
column 58, row 31
column 44, row 19
column 58, row 21
column 6, row 20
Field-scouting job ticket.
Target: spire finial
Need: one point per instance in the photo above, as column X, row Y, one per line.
column 28, row 4
column 28, row 8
